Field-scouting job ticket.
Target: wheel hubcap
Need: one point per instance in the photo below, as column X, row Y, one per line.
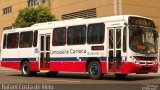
column 25, row 69
column 94, row 70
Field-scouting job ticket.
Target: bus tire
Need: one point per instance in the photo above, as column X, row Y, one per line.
column 25, row 69
column 95, row 70
column 121, row 76
column 51, row 74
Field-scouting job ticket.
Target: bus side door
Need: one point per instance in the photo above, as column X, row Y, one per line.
column 114, row 49
column 44, row 53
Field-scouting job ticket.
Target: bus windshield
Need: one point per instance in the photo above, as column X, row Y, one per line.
column 143, row 40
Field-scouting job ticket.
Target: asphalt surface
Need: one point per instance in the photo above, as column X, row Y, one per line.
column 78, row 81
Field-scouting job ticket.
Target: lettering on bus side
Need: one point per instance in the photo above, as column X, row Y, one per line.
column 73, row 51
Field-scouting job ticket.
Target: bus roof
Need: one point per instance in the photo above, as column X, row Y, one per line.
column 71, row 22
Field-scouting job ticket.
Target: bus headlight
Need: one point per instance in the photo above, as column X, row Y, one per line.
column 135, row 61
column 156, row 62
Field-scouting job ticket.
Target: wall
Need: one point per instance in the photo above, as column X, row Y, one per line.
column 148, row 8
column 7, row 19
column 61, row 7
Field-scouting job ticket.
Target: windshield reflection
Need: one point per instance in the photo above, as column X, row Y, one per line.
column 143, row 40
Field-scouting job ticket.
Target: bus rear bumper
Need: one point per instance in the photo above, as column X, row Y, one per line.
column 139, row 69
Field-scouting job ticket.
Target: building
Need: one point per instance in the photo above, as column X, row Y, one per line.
column 67, row 9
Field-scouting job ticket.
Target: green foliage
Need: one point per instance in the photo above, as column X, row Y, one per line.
column 32, row 15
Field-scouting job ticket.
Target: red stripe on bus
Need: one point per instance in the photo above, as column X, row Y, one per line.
column 17, row 65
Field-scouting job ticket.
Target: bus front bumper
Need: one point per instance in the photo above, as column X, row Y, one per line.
column 139, row 69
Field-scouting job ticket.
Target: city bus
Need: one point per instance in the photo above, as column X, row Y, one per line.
column 119, row 45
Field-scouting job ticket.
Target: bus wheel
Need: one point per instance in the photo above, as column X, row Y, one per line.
column 94, row 70
column 120, row 76
column 25, row 69
column 50, row 74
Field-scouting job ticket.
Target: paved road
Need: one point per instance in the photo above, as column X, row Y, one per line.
column 80, row 81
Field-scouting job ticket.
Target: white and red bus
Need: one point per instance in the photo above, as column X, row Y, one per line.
column 116, row 44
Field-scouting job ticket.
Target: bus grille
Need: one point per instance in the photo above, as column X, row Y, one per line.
column 146, row 68
column 145, row 58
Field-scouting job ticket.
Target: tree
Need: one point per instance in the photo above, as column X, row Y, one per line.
column 32, row 15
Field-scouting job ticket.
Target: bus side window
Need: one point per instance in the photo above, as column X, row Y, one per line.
column 59, row 37
column 76, row 35
column 4, row 41
column 35, row 38
column 111, row 39
column 95, row 34
column 26, row 39
column 124, row 40
column 12, row 40
column 118, row 38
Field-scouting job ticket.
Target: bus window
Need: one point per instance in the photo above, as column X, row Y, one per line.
column 35, row 38
column 26, row 39
column 111, row 39
column 118, row 59
column 76, row 35
column 118, row 38
column 42, row 43
column 4, row 41
column 124, row 40
column 48, row 42
column 59, row 37
column 111, row 59
column 95, row 33
column 12, row 40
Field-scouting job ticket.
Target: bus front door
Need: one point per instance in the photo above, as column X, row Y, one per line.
column 44, row 53
column 114, row 49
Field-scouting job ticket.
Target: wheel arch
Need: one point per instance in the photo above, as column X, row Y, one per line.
column 28, row 72
column 24, row 59
column 89, row 60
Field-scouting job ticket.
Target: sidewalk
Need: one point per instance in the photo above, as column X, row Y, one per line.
column 5, row 69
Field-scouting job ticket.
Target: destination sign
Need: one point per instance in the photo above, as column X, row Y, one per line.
column 141, row 22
